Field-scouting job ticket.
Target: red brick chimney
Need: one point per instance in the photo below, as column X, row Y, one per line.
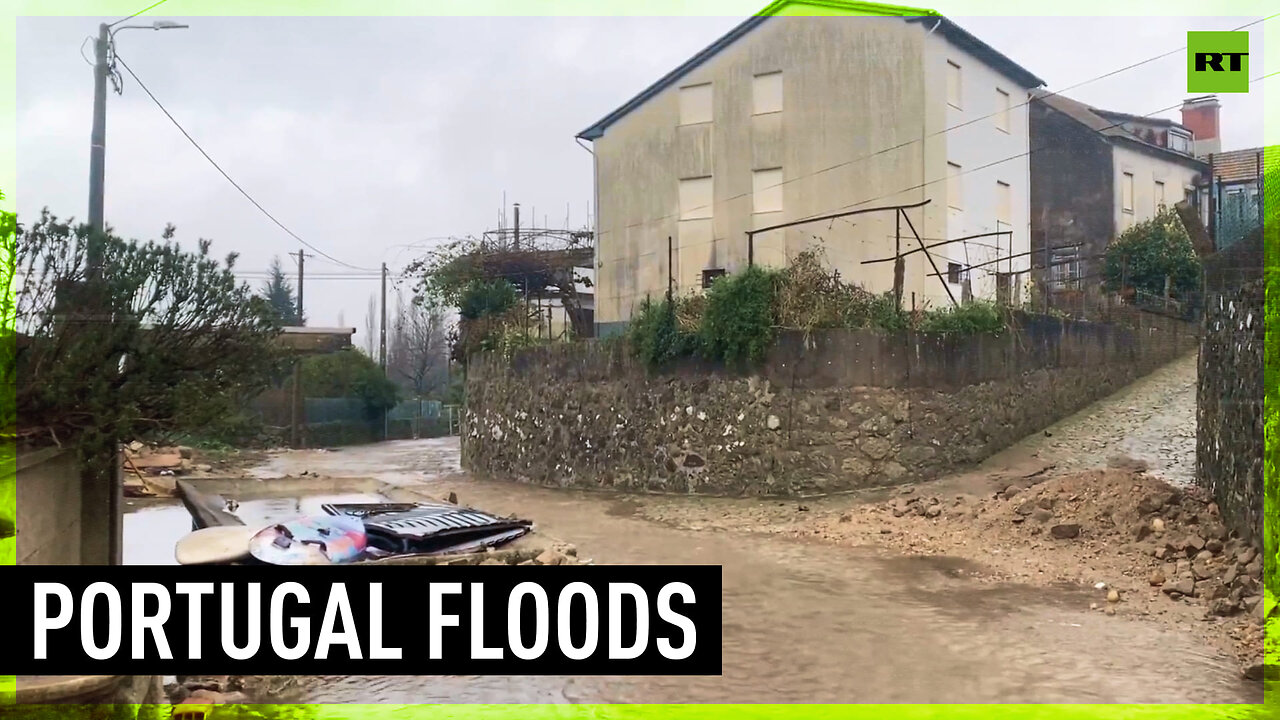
column 1200, row 116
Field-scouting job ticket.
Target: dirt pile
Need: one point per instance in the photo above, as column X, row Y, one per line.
column 1147, row 547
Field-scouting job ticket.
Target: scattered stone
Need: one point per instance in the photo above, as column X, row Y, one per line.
column 932, row 511
column 1045, row 503
column 549, row 557
column 774, row 422
column 185, row 452
column 1113, row 596
column 907, row 490
column 1194, row 544
column 1010, row 491
column 802, row 508
column 1183, row 568
column 1203, row 556
column 453, row 498
column 1254, row 569
column 1156, row 578
column 1048, row 434
column 1065, row 532
column 136, row 446
column 1041, row 515
column 846, row 517
column 1181, row 587
column 1093, row 606
column 1223, row 608
column 1201, row 570
column 176, row 693
column 1141, row 531
column 1246, row 555
column 1213, row 546
column 1161, row 552
column 1025, row 508
column 1157, row 525
column 1111, row 610
column 1213, row 509
column 886, row 531
column 1252, row 603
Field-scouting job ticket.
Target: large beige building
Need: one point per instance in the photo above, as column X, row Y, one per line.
column 786, row 118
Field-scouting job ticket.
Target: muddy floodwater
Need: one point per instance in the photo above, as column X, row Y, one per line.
column 804, row 622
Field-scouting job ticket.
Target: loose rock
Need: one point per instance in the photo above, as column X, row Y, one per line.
column 1181, row 587
column 1156, row 579
column 1065, row 532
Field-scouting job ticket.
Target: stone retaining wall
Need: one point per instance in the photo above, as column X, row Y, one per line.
column 838, row 411
column 1229, row 401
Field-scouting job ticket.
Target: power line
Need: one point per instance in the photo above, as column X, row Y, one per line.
column 149, row 7
column 224, row 174
column 925, row 137
column 1024, row 154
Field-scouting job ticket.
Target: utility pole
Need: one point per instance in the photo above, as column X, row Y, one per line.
column 98, row 138
column 296, row 411
column 516, row 244
column 382, row 343
column 302, row 256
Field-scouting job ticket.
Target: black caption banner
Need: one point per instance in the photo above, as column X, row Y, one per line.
column 375, row 620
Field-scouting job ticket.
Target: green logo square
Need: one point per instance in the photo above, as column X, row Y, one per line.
column 1217, row 62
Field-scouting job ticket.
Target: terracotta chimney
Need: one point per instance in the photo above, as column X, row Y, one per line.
column 1200, row 115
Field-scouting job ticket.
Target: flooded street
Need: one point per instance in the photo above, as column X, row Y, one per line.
column 805, row 622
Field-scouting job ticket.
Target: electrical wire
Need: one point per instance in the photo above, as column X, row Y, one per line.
column 224, row 174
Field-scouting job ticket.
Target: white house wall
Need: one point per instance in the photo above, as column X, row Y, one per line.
column 973, row 146
column 1147, row 169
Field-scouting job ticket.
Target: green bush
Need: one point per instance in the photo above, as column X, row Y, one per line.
column 739, row 323
column 482, row 298
column 1145, row 254
column 971, row 318
column 654, row 334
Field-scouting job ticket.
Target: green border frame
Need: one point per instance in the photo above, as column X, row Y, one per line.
column 1269, row 63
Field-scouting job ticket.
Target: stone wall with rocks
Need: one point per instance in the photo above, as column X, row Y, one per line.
column 836, row 411
column 1229, row 437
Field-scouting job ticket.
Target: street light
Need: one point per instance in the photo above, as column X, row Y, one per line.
column 98, row 140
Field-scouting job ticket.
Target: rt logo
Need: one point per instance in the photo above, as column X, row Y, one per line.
column 1217, row 62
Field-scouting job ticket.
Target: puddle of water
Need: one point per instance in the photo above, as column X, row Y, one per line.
column 150, row 534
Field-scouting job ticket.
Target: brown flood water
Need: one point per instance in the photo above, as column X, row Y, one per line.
column 805, row 622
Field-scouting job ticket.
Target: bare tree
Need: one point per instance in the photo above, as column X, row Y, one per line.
column 370, row 326
column 418, row 348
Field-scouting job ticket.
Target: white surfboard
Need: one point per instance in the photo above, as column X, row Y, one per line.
column 219, row 544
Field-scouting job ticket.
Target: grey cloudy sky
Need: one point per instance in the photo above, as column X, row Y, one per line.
column 367, row 135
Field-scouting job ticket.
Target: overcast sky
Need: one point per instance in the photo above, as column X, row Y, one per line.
column 367, row 135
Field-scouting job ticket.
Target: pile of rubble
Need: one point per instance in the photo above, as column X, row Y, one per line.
column 151, row 471
column 1149, row 548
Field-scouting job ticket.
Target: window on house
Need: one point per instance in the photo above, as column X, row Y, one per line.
column 1179, row 142
column 766, row 93
column 766, row 190
column 1064, row 270
column 1002, row 110
column 696, row 198
column 695, row 104
column 953, row 84
column 709, row 276
column 1004, row 204
column 1160, row 200
column 953, row 273
column 954, row 200
column 1126, row 193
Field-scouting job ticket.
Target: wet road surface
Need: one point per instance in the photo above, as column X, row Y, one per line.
column 804, row 622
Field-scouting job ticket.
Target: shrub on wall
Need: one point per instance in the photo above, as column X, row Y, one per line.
column 654, row 334
column 1147, row 253
column 740, row 321
column 975, row 317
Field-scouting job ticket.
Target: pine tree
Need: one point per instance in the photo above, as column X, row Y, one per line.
column 278, row 292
